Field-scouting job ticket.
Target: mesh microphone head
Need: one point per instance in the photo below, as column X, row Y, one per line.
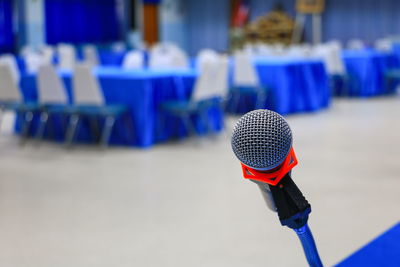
column 261, row 139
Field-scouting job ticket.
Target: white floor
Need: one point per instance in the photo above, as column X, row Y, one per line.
column 186, row 204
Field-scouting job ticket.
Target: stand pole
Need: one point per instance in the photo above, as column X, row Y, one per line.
column 308, row 243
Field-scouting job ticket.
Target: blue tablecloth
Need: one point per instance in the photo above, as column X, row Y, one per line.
column 366, row 69
column 293, row 85
column 142, row 91
column 111, row 58
column 383, row 251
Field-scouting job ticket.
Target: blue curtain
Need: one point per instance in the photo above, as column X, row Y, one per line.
column 81, row 21
column 6, row 26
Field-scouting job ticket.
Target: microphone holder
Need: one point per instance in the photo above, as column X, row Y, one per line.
column 293, row 210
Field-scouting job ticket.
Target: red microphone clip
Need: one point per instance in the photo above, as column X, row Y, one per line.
column 273, row 177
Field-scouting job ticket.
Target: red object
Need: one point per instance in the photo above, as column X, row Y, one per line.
column 241, row 12
column 271, row 177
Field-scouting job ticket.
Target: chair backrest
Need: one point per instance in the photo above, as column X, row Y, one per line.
column 51, row 88
column 91, row 55
column 133, row 60
column 66, row 56
column 86, row 87
column 9, row 90
column 166, row 56
column 206, row 56
column 33, row 61
column 47, row 53
column 245, row 73
column 384, row 45
column 26, row 49
column 355, row 44
column 221, row 81
column 212, row 81
column 118, row 46
column 10, row 60
column 331, row 55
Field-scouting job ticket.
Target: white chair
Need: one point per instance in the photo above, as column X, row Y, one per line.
column 33, row 61
column 89, row 102
column 384, row 45
column 221, row 80
column 245, row 73
column 133, row 60
column 167, row 55
column 206, row 56
column 11, row 62
column 47, row 53
column 246, row 81
column 209, row 90
column 11, row 99
column 331, row 56
column 91, row 55
column 118, row 46
column 66, row 56
column 298, row 51
column 355, row 44
column 52, row 95
column 26, row 50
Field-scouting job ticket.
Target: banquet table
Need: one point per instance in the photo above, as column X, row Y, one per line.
column 366, row 70
column 293, row 85
column 141, row 91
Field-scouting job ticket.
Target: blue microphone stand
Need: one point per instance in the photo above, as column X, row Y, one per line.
column 308, row 243
column 293, row 211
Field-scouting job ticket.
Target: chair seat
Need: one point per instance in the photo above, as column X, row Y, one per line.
column 190, row 106
column 393, row 74
column 19, row 106
column 59, row 108
column 100, row 110
column 179, row 106
column 247, row 89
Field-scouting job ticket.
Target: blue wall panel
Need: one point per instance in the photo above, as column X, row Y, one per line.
column 207, row 25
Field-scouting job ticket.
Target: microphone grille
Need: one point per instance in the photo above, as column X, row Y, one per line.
column 261, row 139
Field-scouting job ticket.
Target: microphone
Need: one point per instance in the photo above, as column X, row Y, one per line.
column 262, row 141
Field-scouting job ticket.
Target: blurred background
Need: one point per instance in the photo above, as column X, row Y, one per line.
column 116, row 116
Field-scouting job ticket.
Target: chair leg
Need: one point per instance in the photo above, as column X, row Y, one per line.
column 1, row 115
column 44, row 116
column 72, row 125
column 27, row 120
column 236, row 102
column 94, row 128
column 206, row 121
column 130, row 134
column 108, row 126
column 188, row 124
